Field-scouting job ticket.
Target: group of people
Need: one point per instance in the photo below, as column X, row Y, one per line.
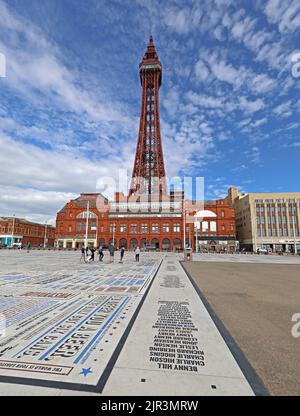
column 85, row 256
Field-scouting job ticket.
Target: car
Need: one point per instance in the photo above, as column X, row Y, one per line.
column 262, row 251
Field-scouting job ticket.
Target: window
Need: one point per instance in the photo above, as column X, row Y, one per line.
column 112, row 228
column 222, row 214
column 78, row 226
column 93, row 224
column 166, row 228
column 84, row 214
column 155, row 228
column 133, row 228
column 204, row 226
column 123, row 228
column 213, row 226
column 176, row 228
column 144, row 228
column 70, row 228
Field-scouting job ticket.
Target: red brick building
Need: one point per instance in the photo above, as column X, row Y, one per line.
column 19, row 232
column 119, row 223
column 216, row 230
column 148, row 217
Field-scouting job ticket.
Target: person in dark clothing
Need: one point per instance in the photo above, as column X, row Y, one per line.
column 122, row 251
column 101, row 254
column 92, row 258
column 111, row 249
column 82, row 254
column 137, row 254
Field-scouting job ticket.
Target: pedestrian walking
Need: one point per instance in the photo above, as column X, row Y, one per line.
column 122, row 252
column 92, row 258
column 137, row 254
column 101, row 254
column 82, row 254
column 111, row 249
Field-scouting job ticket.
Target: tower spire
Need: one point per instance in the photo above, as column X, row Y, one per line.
column 148, row 176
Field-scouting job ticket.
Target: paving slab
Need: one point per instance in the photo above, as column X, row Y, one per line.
column 63, row 319
column 174, row 347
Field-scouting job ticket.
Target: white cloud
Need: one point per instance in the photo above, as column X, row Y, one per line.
column 286, row 14
column 251, row 106
column 30, row 170
column 182, row 20
column 284, row 109
column 34, row 66
column 201, row 70
column 237, row 77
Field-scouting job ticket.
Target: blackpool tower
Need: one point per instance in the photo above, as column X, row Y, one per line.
column 149, row 176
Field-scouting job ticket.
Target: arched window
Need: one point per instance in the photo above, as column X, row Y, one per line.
column 84, row 214
column 177, row 243
column 123, row 243
column 133, row 243
column 144, row 243
column 155, row 242
column 166, row 245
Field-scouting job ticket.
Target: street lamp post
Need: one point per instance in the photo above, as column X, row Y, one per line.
column 87, row 224
column 97, row 232
column 295, row 245
column 13, row 232
column 184, row 225
column 45, row 236
column 197, row 227
column 114, row 234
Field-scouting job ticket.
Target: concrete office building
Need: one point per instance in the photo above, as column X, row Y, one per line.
column 267, row 220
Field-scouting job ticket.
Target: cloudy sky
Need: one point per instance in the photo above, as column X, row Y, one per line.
column 70, row 102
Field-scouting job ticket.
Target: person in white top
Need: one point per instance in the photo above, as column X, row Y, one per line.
column 137, row 254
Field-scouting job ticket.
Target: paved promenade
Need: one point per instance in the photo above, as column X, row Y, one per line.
column 101, row 328
column 247, row 258
column 256, row 303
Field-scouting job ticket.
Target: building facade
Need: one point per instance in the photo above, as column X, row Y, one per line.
column 216, row 230
column 16, row 232
column 125, row 224
column 129, row 224
column 267, row 220
column 149, row 216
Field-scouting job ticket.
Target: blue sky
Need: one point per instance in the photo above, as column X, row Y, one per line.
column 70, row 102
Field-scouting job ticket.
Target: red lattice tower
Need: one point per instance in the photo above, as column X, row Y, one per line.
column 149, row 176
